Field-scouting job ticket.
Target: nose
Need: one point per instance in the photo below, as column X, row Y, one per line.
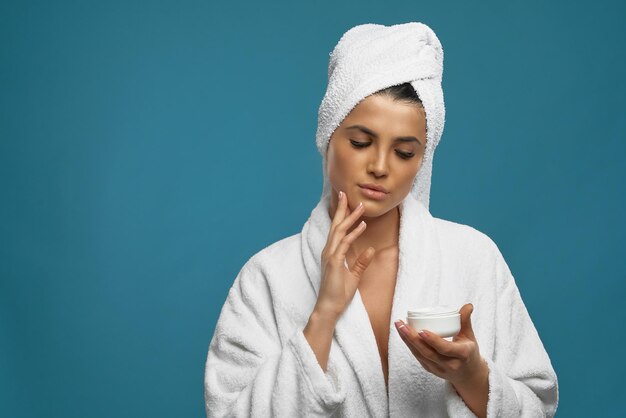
column 378, row 165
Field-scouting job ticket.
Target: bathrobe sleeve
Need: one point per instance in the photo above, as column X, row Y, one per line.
column 250, row 372
column 522, row 382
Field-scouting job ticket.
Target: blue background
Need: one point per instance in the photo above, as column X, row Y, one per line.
column 149, row 149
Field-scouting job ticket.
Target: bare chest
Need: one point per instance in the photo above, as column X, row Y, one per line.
column 377, row 288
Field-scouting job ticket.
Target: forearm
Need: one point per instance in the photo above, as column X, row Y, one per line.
column 475, row 391
column 319, row 333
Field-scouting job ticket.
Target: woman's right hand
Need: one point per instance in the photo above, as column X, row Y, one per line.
column 339, row 283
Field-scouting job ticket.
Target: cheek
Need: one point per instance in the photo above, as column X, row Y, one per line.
column 334, row 167
column 337, row 171
column 415, row 169
column 409, row 177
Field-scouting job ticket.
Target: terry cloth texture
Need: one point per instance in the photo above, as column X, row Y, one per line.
column 260, row 364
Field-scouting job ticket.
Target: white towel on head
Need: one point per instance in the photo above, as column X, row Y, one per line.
column 371, row 57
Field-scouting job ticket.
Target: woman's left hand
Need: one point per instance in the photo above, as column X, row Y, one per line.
column 458, row 361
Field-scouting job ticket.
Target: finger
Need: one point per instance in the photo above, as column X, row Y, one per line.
column 444, row 347
column 341, row 212
column 411, row 336
column 427, row 363
column 357, row 269
column 441, row 369
column 339, row 232
column 466, row 322
column 361, row 263
column 433, row 367
column 346, row 241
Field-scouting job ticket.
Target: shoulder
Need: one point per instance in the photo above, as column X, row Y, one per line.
column 262, row 277
column 278, row 255
column 464, row 235
column 465, row 239
column 473, row 250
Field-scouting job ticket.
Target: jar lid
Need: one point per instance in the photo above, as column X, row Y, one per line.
column 442, row 310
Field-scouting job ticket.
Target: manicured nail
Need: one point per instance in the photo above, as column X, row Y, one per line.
column 422, row 334
column 402, row 329
column 360, row 204
column 340, row 194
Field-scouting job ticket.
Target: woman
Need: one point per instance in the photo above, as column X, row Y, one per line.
column 306, row 327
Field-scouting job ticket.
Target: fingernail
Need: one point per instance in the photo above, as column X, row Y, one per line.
column 422, row 333
column 360, row 204
column 340, row 194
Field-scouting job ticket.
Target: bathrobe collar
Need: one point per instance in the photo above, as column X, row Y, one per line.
column 417, row 284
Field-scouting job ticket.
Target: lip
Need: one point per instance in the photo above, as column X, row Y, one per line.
column 373, row 194
column 374, row 187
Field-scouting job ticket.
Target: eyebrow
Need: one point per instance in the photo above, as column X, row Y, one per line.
column 372, row 133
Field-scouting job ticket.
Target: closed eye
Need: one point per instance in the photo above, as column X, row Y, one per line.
column 359, row 144
column 403, row 155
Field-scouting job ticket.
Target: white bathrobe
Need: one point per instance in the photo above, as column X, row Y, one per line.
column 259, row 363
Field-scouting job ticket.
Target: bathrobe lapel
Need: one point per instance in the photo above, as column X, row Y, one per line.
column 417, row 284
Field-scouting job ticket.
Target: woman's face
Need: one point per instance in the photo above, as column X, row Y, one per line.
column 380, row 142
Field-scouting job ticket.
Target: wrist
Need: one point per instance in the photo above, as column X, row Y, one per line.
column 319, row 332
column 325, row 315
column 320, row 327
column 479, row 377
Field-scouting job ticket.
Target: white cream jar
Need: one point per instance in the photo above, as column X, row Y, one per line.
column 444, row 321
